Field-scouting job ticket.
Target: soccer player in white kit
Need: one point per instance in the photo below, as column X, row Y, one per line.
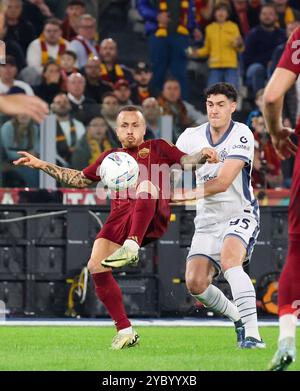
column 227, row 219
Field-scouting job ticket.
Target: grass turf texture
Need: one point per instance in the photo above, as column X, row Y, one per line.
column 161, row 348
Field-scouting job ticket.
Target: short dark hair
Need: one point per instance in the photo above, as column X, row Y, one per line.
column 76, row 2
column 224, row 89
column 55, row 21
column 222, row 5
column 71, row 54
column 131, row 108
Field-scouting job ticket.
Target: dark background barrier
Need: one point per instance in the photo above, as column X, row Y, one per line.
column 39, row 255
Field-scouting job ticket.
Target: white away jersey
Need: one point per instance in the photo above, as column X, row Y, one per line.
column 236, row 143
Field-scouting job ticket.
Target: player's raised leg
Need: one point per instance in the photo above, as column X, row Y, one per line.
column 142, row 214
column 233, row 254
column 199, row 275
column 109, row 293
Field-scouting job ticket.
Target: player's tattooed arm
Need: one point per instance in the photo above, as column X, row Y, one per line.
column 68, row 176
column 205, row 155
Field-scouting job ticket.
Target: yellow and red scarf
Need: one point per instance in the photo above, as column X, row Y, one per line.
column 44, row 50
column 183, row 19
column 105, row 74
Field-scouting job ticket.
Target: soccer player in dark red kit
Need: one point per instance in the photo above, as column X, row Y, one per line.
column 132, row 221
column 281, row 81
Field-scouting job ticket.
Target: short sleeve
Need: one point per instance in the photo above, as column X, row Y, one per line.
column 242, row 147
column 290, row 58
column 92, row 171
column 169, row 152
column 181, row 143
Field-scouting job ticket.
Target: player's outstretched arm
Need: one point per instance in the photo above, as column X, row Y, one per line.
column 205, row 155
column 24, row 104
column 68, row 176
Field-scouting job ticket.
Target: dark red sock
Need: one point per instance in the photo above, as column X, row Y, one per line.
column 109, row 292
column 144, row 210
column 289, row 282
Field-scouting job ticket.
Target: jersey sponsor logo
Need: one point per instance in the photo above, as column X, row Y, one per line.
column 207, row 177
column 222, row 155
column 243, row 140
column 239, row 146
column 143, row 153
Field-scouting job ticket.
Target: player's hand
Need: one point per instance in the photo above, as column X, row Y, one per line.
column 209, row 155
column 283, row 144
column 181, row 195
column 24, row 104
column 28, row 160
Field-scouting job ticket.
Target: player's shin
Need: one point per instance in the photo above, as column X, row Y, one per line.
column 245, row 299
column 215, row 300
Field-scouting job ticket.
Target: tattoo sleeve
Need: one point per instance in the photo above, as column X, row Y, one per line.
column 68, row 176
column 191, row 161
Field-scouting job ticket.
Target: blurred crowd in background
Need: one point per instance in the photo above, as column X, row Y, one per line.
column 87, row 59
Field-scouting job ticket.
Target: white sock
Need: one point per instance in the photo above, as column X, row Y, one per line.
column 287, row 326
column 244, row 298
column 215, row 299
column 132, row 245
column 128, row 330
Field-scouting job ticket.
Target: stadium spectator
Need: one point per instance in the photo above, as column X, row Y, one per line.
column 92, row 144
column 286, row 14
column 11, row 48
column 17, row 28
column 283, row 78
column 75, row 8
column 266, row 172
column 259, row 46
column 168, row 25
column 8, row 73
column 84, row 44
column 245, row 13
column 51, row 83
column 49, row 46
column 111, row 70
column 123, row 92
column 68, row 130
column 183, row 113
column 67, row 66
column 83, row 108
column 257, row 112
column 222, row 44
column 109, row 111
column 19, row 133
column 35, row 11
column 152, row 114
column 142, row 88
column 95, row 87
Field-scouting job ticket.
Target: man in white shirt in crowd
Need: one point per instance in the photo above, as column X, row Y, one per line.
column 8, row 83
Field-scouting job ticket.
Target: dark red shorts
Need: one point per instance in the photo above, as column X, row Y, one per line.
column 294, row 207
column 117, row 226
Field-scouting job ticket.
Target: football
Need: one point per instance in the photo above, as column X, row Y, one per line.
column 119, row 171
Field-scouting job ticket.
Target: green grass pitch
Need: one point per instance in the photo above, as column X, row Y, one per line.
column 161, row 348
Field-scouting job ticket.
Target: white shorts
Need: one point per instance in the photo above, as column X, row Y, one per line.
column 208, row 240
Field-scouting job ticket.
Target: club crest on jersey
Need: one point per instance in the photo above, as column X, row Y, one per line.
column 222, row 155
column 143, row 153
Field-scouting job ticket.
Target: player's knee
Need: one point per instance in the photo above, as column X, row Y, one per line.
column 95, row 266
column 196, row 284
column 147, row 187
